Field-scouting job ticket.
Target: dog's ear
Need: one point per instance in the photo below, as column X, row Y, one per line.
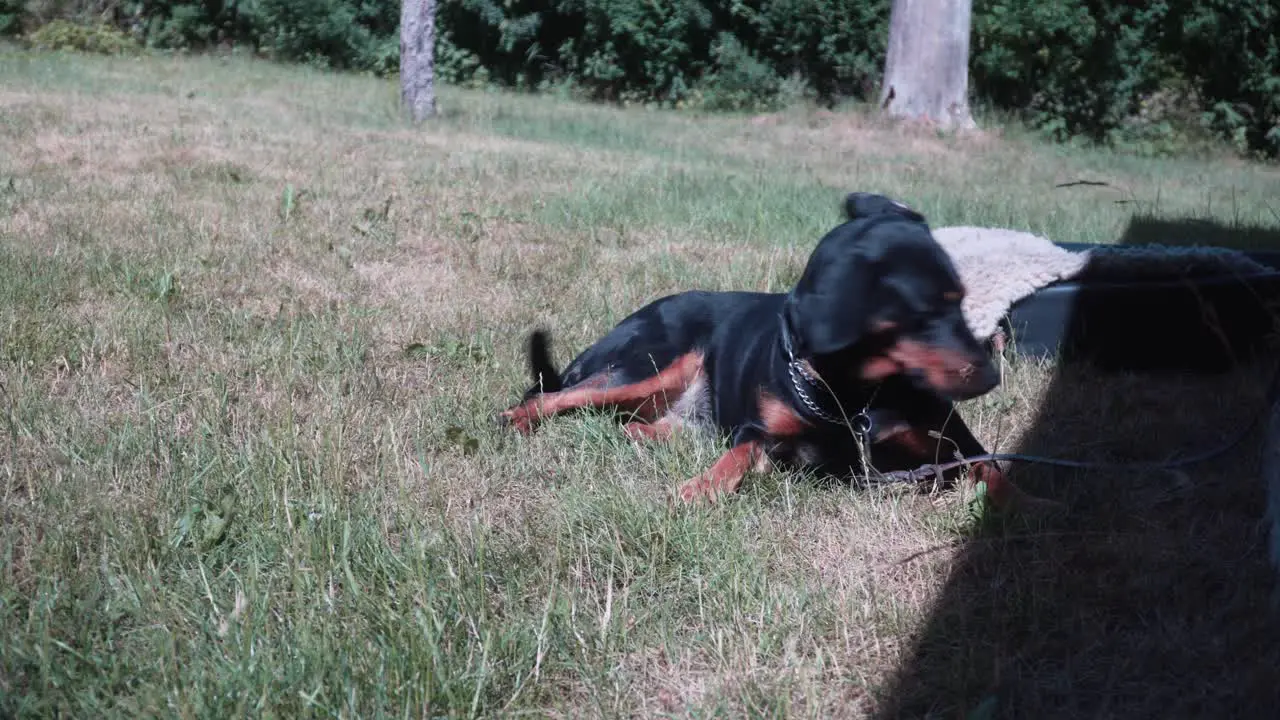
column 829, row 309
column 865, row 205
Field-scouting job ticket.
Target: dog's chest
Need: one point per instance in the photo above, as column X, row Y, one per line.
column 807, row 452
column 693, row 408
column 825, row 450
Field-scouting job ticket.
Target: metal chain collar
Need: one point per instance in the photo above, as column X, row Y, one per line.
column 860, row 423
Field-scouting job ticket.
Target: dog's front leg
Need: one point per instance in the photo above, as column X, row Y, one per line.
column 725, row 476
column 1005, row 496
column 923, row 449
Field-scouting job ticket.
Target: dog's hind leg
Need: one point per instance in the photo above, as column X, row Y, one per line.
column 693, row 409
column 659, row 430
column 649, row 398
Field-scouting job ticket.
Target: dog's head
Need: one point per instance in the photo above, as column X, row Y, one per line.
column 879, row 297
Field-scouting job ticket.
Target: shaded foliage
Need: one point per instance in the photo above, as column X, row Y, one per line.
column 1146, row 75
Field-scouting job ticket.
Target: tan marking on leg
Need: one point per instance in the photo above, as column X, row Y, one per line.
column 780, row 419
column 659, row 430
column 1005, row 495
column 648, row 398
column 725, row 476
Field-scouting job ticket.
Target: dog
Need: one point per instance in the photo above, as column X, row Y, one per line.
column 865, row 356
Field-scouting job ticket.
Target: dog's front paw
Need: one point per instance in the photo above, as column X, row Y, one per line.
column 698, row 488
column 518, row 418
column 1004, row 495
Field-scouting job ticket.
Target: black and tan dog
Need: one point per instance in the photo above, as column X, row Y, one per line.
column 871, row 341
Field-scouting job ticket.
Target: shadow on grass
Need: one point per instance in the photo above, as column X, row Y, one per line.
column 1150, row 597
column 1145, row 229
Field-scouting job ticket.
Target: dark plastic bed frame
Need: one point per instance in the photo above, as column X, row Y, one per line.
column 1150, row 325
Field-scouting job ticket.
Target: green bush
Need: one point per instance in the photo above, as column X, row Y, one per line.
column 12, row 13
column 662, row 50
column 1149, row 76
column 453, row 64
column 322, row 32
column 1076, row 68
column 191, row 25
column 739, row 81
column 66, row 35
column 1232, row 49
column 836, row 46
column 343, row 34
column 504, row 42
column 638, row 49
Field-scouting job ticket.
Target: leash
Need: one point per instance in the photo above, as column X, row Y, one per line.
column 936, row 469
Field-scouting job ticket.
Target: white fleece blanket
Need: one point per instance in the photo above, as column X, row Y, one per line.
column 999, row 267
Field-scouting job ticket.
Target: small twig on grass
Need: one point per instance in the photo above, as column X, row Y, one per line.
column 1090, row 183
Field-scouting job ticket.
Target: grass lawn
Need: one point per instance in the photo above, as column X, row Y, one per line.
column 254, row 329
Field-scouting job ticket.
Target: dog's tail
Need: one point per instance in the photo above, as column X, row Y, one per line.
column 546, row 378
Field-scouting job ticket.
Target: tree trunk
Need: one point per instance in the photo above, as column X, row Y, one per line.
column 417, row 58
column 926, row 68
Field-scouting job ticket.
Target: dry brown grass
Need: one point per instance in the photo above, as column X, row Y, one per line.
column 282, row 309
